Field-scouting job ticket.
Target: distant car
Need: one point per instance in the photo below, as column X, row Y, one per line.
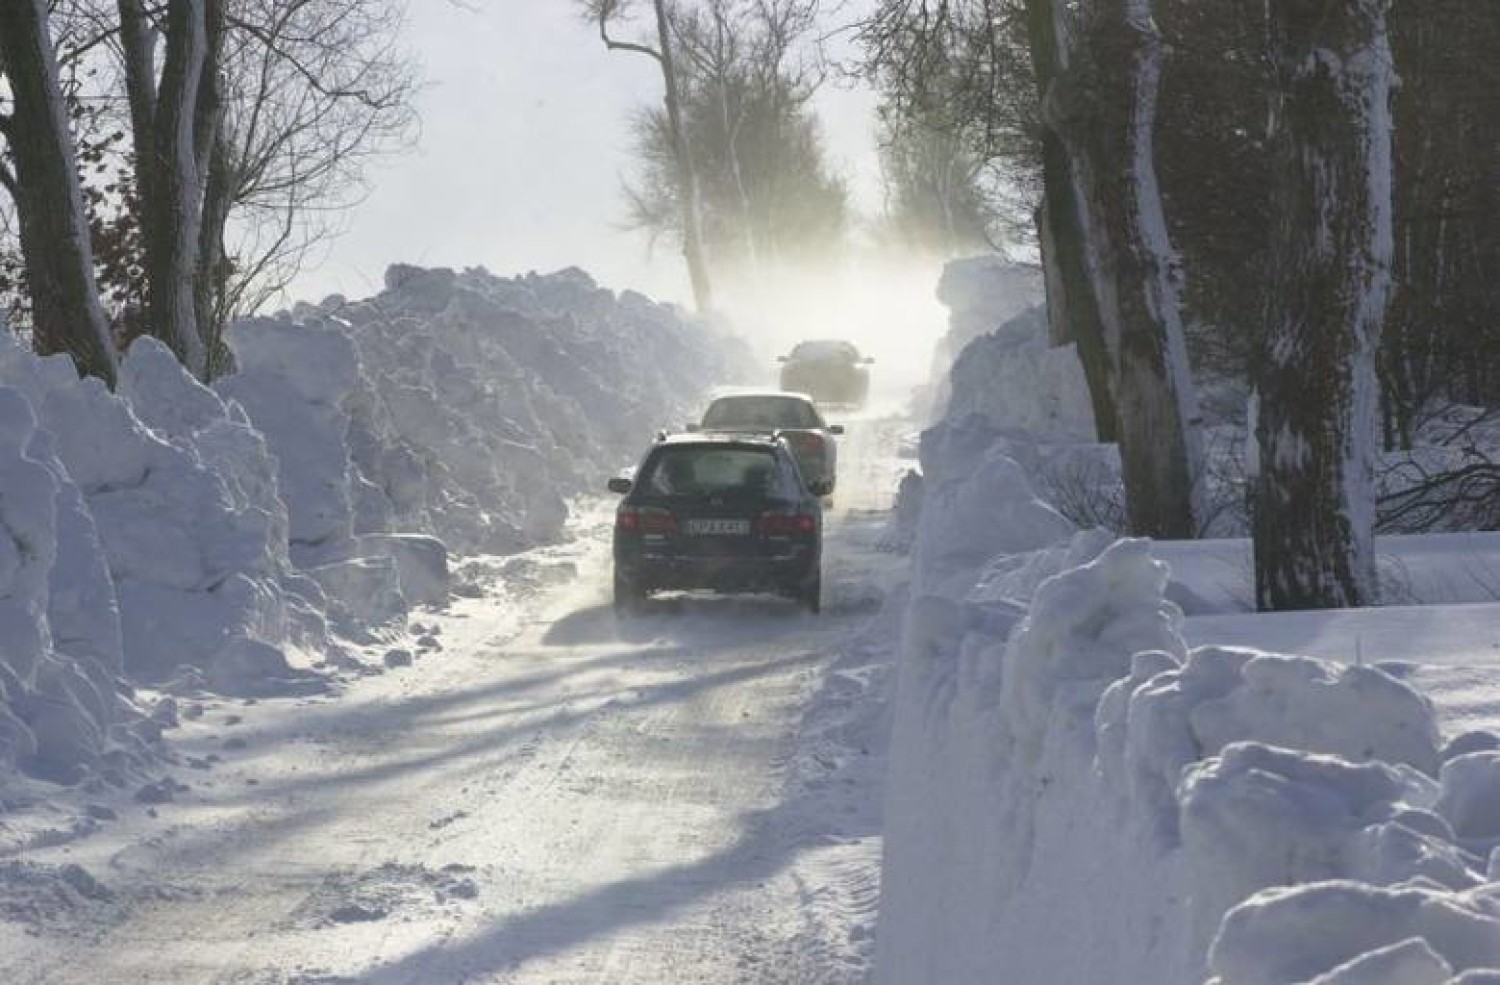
column 718, row 512
column 792, row 415
column 831, row 371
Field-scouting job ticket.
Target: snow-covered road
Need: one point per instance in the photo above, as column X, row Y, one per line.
column 692, row 796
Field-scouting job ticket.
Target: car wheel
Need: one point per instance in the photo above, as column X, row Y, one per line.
column 810, row 593
column 628, row 595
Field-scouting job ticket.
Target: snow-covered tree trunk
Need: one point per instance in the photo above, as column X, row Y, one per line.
column 213, row 265
column 1316, row 427
column 59, row 261
column 1104, row 105
column 175, row 117
column 1072, row 314
column 687, row 179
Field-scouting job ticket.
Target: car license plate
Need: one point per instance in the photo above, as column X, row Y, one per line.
column 702, row 528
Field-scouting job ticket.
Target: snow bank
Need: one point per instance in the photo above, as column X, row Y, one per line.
column 194, row 573
column 455, row 411
column 981, row 293
column 1079, row 796
column 61, row 718
column 1018, row 380
column 473, row 406
column 1343, row 932
column 976, row 502
column 228, row 539
column 1091, row 765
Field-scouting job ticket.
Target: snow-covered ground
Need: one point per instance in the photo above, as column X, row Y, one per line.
column 684, row 799
column 312, row 678
column 1089, row 786
column 268, row 536
column 543, row 794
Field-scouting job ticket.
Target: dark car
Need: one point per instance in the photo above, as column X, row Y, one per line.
column 718, row 512
column 831, row 371
column 793, row 416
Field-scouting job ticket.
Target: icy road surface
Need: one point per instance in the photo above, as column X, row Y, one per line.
column 555, row 797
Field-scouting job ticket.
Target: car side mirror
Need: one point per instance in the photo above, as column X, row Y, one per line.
column 692, row 426
column 820, row 488
column 835, row 429
column 620, row 484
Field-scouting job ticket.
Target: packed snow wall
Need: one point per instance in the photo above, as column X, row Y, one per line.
column 471, row 405
column 142, row 555
column 244, row 539
column 1077, row 797
column 981, row 294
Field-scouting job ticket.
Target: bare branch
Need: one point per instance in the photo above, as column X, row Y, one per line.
column 614, row 44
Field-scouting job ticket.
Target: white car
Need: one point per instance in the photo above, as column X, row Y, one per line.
column 792, row 415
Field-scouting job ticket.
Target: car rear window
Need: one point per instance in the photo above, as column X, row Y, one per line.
column 826, row 349
column 760, row 412
column 703, row 470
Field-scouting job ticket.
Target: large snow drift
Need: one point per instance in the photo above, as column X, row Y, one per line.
column 1078, row 796
column 473, row 405
column 239, row 539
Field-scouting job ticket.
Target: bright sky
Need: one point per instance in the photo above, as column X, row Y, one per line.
column 523, row 149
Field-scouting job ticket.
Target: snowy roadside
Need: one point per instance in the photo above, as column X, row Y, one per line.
column 550, row 796
column 170, row 543
column 194, row 578
column 1088, row 786
column 75, row 861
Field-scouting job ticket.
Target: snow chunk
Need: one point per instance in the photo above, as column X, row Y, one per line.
column 1257, row 816
column 1151, row 728
column 1470, row 798
column 1293, row 934
column 1410, row 962
column 1083, row 628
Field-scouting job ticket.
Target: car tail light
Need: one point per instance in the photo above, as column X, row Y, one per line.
column 786, row 524
column 646, row 521
column 809, row 442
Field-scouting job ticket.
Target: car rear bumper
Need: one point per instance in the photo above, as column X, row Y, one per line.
column 722, row 573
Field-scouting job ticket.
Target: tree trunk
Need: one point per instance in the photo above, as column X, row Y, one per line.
column 1103, row 102
column 213, row 267
column 687, row 180
column 1072, row 313
column 59, row 261
column 174, row 123
column 1331, row 134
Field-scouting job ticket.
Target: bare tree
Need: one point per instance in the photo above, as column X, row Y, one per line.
column 765, row 192
column 1103, row 103
column 176, row 109
column 58, row 262
column 1442, row 340
column 302, row 94
column 1314, row 510
column 982, row 70
column 612, row 13
column 935, row 196
column 1073, row 307
column 313, row 89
